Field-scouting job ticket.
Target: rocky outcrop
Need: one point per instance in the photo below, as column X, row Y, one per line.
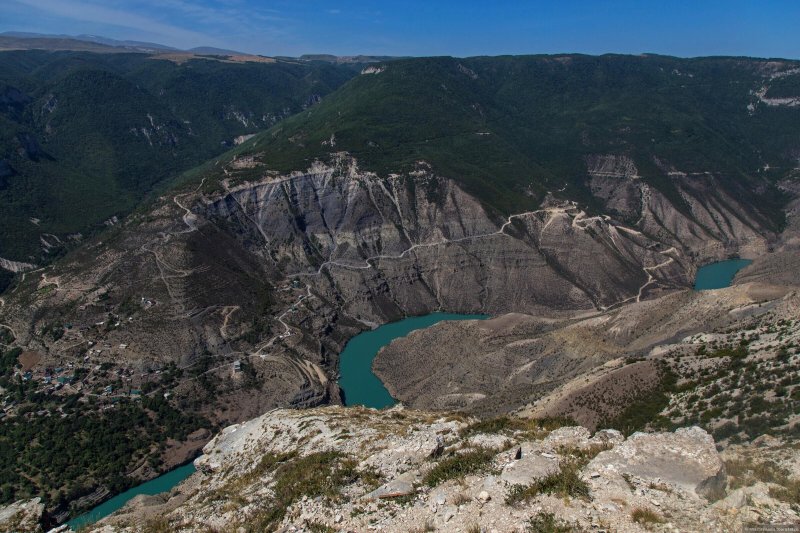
column 15, row 266
column 481, row 480
column 612, row 166
column 23, row 516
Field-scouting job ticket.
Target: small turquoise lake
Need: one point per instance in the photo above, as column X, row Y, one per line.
column 158, row 485
column 360, row 385
column 718, row 275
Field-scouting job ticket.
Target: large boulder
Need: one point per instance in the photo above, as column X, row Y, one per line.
column 686, row 459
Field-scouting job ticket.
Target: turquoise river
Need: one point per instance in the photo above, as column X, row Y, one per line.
column 158, row 485
column 360, row 385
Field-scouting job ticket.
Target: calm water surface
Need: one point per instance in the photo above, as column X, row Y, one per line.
column 360, row 385
column 719, row 275
column 158, row 485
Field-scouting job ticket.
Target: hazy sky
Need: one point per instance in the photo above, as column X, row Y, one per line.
column 766, row 28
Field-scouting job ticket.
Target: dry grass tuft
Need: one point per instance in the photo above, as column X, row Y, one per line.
column 646, row 517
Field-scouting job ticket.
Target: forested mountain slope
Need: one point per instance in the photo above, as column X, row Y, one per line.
column 84, row 136
column 511, row 128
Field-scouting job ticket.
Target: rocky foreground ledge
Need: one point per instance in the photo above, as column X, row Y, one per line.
column 353, row 469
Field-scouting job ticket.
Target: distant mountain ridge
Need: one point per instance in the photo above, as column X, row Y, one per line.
column 348, row 59
column 98, row 43
column 214, row 51
column 59, row 41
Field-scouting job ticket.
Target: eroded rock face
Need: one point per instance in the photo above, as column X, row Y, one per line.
column 709, row 223
column 410, row 244
column 666, row 473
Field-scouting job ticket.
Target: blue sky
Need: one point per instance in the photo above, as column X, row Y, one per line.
column 766, row 28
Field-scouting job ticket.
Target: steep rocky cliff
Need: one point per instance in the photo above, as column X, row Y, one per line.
column 388, row 247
